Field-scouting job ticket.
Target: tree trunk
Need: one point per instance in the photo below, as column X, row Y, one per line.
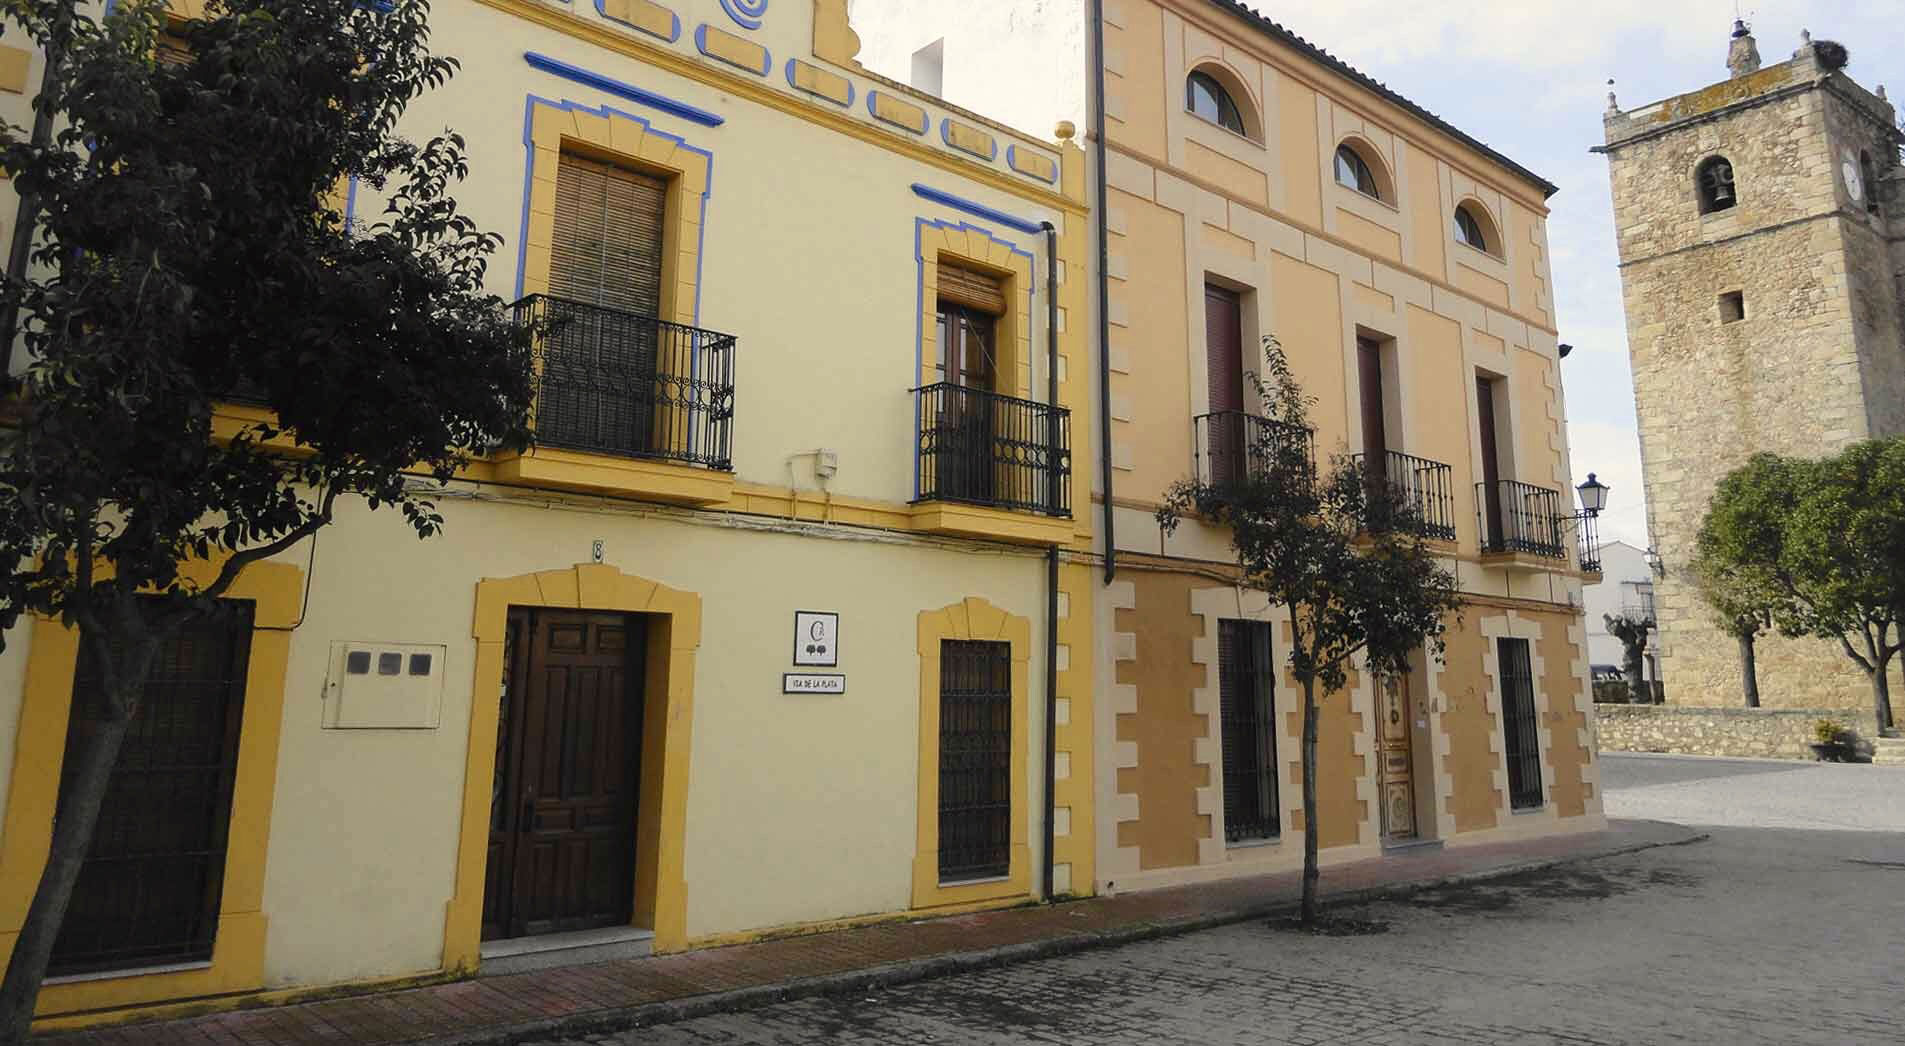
column 1882, row 696
column 1749, row 671
column 73, row 822
column 1635, row 669
column 1310, row 871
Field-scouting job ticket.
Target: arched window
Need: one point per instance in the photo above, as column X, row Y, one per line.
column 1207, row 100
column 1352, row 171
column 1472, row 229
column 1715, row 183
column 1869, row 179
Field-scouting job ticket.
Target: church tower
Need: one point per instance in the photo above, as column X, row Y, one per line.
column 1762, row 239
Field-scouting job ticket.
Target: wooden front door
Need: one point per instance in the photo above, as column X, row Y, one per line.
column 562, row 818
column 1224, row 375
column 966, row 426
column 1398, row 760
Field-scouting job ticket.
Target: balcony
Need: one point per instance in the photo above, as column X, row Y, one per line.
column 627, row 403
column 1230, row 446
column 992, row 466
column 1424, row 489
column 1520, row 525
column 1590, row 537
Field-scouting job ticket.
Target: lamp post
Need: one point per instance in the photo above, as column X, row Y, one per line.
column 1593, row 499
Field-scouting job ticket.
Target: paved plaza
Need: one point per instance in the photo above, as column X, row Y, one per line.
column 1787, row 926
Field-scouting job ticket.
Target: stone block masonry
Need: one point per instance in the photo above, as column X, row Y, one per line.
column 1760, row 733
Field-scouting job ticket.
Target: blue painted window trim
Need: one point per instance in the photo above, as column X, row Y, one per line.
column 945, row 135
column 960, row 203
column 873, row 111
column 674, row 32
column 620, row 89
column 746, row 13
column 1012, row 161
column 793, row 63
column 701, row 44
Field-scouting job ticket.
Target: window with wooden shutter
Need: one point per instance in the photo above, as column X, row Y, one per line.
column 972, row 289
column 608, row 237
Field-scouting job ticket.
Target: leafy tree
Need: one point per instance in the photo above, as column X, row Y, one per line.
column 1821, row 546
column 1342, row 552
column 1631, row 629
column 191, row 252
column 1741, row 601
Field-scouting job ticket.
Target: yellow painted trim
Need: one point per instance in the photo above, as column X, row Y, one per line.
column 200, row 1006
column 976, row 250
column 1074, row 853
column 622, row 140
column 238, row 953
column 972, row 619
column 640, row 477
column 975, row 521
column 650, row 18
column 661, row 887
column 815, row 80
column 834, row 38
column 857, row 922
column 756, row 90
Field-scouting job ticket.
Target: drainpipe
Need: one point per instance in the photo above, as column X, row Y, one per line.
column 1104, row 285
column 1051, row 557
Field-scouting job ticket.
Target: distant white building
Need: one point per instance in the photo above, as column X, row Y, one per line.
column 1627, row 585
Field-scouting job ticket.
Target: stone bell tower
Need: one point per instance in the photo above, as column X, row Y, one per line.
column 1762, row 236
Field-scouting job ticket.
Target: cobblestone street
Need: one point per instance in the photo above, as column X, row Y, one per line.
column 1787, row 927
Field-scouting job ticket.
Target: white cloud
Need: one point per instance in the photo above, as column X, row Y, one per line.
column 1612, row 453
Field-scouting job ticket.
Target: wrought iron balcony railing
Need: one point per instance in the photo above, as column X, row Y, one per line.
column 1590, row 537
column 983, row 448
column 1423, row 489
column 1520, row 517
column 1230, row 446
column 609, row 381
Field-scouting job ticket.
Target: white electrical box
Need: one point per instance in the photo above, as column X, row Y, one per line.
column 384, row 686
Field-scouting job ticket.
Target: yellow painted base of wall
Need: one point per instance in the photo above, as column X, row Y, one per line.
column 636, row 477
column 974, row 521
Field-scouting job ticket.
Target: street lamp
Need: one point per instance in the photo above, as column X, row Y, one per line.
column 1593, row 500
column 1593, row 496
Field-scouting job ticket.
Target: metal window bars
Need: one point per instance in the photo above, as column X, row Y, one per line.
column 1247, row 717
column 989, row 449
column 1519, row 726
column 975, row 760
column 610, row 381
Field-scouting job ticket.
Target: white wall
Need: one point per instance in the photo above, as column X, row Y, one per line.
column 1022, row 62
column 1621, row 565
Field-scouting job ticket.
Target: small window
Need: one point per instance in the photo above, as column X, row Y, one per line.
column 1715, row 179
column 420, row 664
column 1207, row 100
column 1353, row 172
column 1468, row 230
column 357, row 663
column 1732, row 307
column 1869, row 179
column 389, row 664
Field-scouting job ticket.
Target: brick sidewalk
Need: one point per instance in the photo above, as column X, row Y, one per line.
column 613, row 995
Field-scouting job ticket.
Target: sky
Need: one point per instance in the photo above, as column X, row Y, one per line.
column 1529, row 77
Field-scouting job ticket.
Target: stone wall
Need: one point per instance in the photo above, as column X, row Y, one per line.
column 1765, row 733
column 1814, row 366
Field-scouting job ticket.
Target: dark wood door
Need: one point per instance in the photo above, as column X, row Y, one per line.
column 562, row 830
column 1491, row 461
column 1375, row 434
column 967, row 426
column 1224, row 354
column 1398, row 759
column 149, row 890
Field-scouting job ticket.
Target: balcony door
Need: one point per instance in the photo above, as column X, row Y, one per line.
column 598, row 383
column 964, row 427
column 1224, row 353
column 1375, row 436
column 1491, row 464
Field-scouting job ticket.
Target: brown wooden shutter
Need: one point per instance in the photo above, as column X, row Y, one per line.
column 972, row 289
column 1224, row 348
column 608, row 236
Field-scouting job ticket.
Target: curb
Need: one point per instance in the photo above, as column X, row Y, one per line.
column 892, row 975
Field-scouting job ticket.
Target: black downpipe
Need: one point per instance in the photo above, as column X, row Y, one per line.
column 1104, row 282
column 1051, row 557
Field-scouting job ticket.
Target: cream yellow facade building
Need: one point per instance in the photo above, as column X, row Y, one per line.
column 809, row 501
column 1254, row 186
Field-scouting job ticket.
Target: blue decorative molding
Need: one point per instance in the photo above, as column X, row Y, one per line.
column 620, row 89
column 873, row 110
column 960, row 203
column 746, row 13
column 945, row 135
column 674, row 31
column 1012, row 161
column 529, row 181
column 701, row 44
column 793, row 63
